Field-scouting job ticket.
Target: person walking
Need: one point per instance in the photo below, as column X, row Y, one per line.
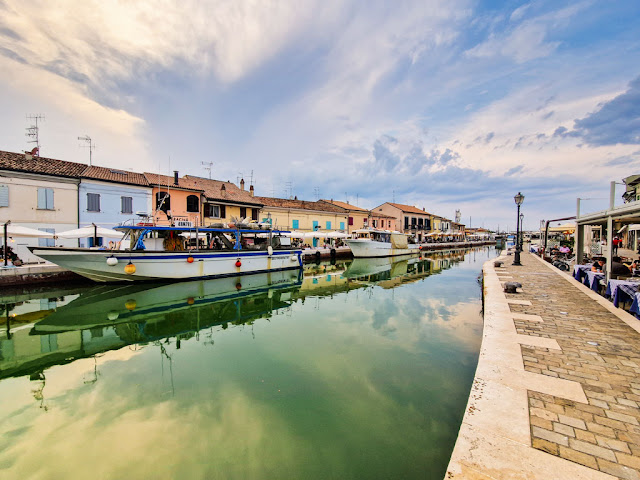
column 615, row 244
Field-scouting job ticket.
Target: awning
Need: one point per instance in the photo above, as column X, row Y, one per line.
column 90, row 231
column 18, row 231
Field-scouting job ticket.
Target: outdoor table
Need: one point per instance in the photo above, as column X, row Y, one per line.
column 635, row 306
column 592, row 280
column 580, row 271
column 621, row 290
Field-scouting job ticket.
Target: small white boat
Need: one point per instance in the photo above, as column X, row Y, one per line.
column 158, row 253
column 380, row 243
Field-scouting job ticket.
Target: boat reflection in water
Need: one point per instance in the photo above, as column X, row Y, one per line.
column 109, row 317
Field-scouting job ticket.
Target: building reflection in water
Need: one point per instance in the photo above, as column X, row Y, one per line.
column 54, row 327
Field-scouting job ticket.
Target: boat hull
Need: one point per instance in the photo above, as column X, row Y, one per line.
column 365, row 248
column 162, row 265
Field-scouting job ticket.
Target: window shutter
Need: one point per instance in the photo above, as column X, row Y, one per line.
column 42, row 199
column 223, row 211
column 49, row 194
column 4, row 195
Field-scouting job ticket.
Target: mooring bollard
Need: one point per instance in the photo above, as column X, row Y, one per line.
column 510, row 287
column 497, row 264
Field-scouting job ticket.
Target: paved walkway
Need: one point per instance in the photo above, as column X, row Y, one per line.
column 557, row 388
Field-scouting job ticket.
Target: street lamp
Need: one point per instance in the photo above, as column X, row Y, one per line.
column 521, row 230
column 519, row 198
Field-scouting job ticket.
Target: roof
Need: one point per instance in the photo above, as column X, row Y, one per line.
column 381, row 215
column 42, row 165
column 346, row 206
column 213, row 190
column 157, row 180
column 409, row 208
column 115, row 175
column 300, row 204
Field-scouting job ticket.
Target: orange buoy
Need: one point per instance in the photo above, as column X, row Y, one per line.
column 190, row 301
column 129, row 268
column 238, row 286
column 238, row 263
column 189, row 259
column 130, row 304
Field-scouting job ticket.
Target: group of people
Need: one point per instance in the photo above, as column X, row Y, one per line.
column 617, row 267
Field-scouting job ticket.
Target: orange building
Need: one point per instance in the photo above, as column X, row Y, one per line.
column 174, row 200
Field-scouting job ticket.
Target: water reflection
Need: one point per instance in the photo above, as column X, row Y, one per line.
column 352, row 369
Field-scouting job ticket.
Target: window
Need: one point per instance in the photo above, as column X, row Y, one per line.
column 4, row 195
column 381, row 223
column 93, row 202
column 315, row 225
column 341, row 225
column 193, row 203
column 214, row 211
column 47, row 242
column 243, row 212
column 45, row 199
column 254, row 214
column 350, row 220
column 413, row 221
column 406, row 222
column 163, row 201
column 295, row 224
column 328, row 225
column 374, row 222
column 97, row 243
column 126, row 204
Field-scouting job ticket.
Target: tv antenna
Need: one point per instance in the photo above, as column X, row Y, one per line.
column 207, row 166
column 32, row 131
column 316, row 193
column 289, row 188
column 89, row 144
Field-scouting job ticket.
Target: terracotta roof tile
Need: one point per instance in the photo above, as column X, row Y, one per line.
column 346, row 206
column 300, row 204
column 114, row 175
column 43, row 165
column 157, row 180
column 213, row 190
column 409, row 208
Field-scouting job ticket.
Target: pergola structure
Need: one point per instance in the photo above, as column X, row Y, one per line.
column 627, row 214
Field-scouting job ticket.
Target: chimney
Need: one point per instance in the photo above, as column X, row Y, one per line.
column 242, row 184
column 295, row 198
column 424, row 209
column 251, row 190
column 175, row 177
column 223, row 190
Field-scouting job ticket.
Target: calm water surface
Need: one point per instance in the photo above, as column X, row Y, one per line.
column 355, row 370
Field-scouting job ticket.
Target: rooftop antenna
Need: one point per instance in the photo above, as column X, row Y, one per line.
column 240, row 176
column 393, row 196
column 32, row 131
column 89, row 144
column 289, row 188
column 316, row 193
column 251, row 179
column 207, row 166
column 357, row 199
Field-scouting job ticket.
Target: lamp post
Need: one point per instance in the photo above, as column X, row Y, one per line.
column 519, row 198
column 521, row 232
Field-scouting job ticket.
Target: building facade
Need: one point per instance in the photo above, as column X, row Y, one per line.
column 357, row 217
column 408, row 219
column 175, row 201
column 110, row 197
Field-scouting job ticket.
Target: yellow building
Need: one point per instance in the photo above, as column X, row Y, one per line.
column 357, row 217
column 303, row 216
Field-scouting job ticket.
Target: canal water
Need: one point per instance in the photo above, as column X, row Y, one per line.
column 353, row 370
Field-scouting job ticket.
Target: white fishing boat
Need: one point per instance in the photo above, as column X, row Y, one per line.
column 156, row 253
column 380, row 243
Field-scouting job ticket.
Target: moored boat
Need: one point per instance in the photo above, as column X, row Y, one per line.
column 156, row 253
column 381, row 243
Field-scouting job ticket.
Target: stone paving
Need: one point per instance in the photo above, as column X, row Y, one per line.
column 556, row 392
column 597, row 350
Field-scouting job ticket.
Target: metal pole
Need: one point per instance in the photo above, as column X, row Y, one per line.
column 516, row 260
column 5, row 244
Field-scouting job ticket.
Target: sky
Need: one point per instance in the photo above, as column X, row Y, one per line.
column 442, row 104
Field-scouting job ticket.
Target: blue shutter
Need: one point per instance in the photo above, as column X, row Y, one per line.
column 328, row 225
column 295, row 224
column 4, row 195
column 341, row 225
column 42, row 198
column 49, row 194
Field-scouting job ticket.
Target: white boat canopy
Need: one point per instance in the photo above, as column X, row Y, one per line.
column 18, row 231
column 90, row 231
